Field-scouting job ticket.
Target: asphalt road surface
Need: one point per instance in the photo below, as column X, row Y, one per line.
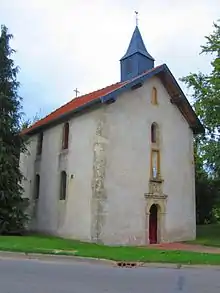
column 33, row 276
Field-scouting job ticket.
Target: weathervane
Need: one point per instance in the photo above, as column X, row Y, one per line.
column 136, row 17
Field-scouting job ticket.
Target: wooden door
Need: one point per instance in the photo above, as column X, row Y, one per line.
column 153, row 224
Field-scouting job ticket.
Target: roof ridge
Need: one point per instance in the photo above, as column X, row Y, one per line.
column 89, row 93
column 101, row 95
column 71, row 101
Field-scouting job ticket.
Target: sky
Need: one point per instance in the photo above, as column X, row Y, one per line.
column 69, row 44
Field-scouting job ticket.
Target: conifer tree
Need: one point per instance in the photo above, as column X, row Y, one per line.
column 12, row 205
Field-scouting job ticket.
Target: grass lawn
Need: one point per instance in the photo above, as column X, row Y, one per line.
column 208, row 235
column 54, row 245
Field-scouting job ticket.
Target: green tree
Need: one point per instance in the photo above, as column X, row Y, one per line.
column 13, row 206
column 28, row 122
column 206, row 191
column 206, row 102
column 206, row 96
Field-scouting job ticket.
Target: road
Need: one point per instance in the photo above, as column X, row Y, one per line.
column 35, row 276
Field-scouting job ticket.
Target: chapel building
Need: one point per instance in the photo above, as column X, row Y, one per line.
column 116, row 166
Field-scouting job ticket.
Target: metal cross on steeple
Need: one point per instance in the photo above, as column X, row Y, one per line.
column 136, row 17
column 77, row 92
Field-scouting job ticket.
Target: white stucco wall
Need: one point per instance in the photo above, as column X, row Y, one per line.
column 117, row 138
column 128, row 167
column 27, row 163
column 72, row 217
column 77, row 223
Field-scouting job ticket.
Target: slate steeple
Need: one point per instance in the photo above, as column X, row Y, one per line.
column 137, row 59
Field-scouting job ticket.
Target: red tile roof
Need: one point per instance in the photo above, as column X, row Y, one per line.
column 84, row 100
column 73, row 105
column 80, row 101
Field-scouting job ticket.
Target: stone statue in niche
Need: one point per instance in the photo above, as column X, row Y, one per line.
column 155, row 164
column 154, row 172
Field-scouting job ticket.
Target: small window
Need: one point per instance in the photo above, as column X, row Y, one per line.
column 40, row 143
column 154, row 133
column 65, row 136
column 63, row 185
column 154, row 100
column 37, row 187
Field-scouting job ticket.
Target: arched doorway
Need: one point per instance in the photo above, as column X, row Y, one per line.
column 153, row 224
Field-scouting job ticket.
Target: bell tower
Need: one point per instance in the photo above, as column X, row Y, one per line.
column 137, row 59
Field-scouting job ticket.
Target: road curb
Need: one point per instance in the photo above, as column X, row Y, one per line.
column 53, row 257
column 180, row 266
column 119, row 264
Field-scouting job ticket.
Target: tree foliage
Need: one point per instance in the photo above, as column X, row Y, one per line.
column 206, row 191
column 27, row 123
column 206, row 101
column 206, row 96
column 12, row 205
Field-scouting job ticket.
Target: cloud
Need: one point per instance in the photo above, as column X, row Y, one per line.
column 67, row 44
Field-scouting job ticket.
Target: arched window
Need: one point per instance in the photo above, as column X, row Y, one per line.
column 63, row 185
column 154, row 96
column 154, row 133
column 65, row 136
column 40, row 143
column 37, row 187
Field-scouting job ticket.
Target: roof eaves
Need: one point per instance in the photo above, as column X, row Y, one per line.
column 35, row 128
column 199, row 128
column 61, row 117
column 131, row 83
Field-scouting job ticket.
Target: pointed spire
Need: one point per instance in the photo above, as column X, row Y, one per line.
column 137, row 59
column 137, row 46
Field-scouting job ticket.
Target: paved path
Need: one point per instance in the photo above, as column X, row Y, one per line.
column 186, row 247
column 33, row 276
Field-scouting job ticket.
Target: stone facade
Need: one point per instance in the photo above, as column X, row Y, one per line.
column 98, row 183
